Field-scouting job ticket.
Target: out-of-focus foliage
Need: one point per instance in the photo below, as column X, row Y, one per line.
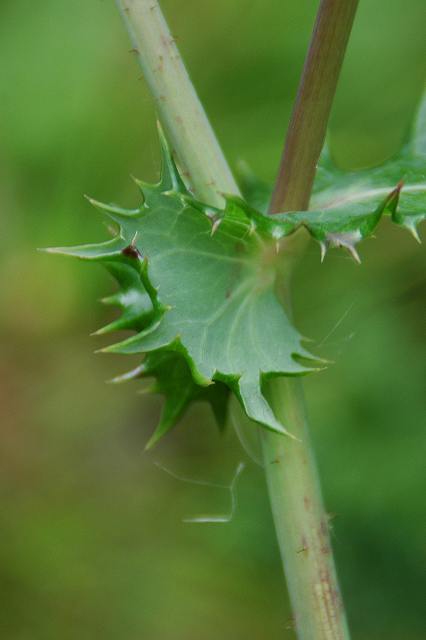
column 92, row 543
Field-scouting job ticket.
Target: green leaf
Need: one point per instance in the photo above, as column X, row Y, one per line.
column 198, row 284
column 214, row 318
column 137, row 310
column 175, row 382
column 217, row 297
column 346, row 206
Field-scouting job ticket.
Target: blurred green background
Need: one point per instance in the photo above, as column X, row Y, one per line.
column 92, row 543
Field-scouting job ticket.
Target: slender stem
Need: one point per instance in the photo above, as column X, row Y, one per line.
column 308, row 125
column 300, row 520
column 179, row 108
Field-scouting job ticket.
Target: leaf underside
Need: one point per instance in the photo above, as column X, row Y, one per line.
column 198, row 284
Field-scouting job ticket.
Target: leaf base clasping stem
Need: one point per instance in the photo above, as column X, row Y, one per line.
column 295, row 495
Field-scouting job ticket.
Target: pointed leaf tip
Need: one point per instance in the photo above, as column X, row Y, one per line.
column 171, row 179
column 215, row 226
column 113, row 209
column 411, row 227
column 137, row 372
column 160, row 431
column 153, row 440
column 354, row 253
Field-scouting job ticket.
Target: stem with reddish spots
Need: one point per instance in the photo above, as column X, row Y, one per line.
column 301, row 521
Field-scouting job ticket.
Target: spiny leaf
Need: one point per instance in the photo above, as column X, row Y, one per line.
column 353, row 202
column 346, row 206
column 218, row 295
column 215, row 319
column 100, row 252
column 175, row 382
column 132, row 298
column 197, row 284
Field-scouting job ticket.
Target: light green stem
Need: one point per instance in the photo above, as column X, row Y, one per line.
column 290, row 469
column 181, row 113
column 301, row 522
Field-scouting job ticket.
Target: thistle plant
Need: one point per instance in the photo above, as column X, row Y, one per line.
column 204, row 268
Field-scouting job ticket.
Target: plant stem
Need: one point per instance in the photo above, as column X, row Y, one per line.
column 300, row 520
column 179, row 108
column 308, row 125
